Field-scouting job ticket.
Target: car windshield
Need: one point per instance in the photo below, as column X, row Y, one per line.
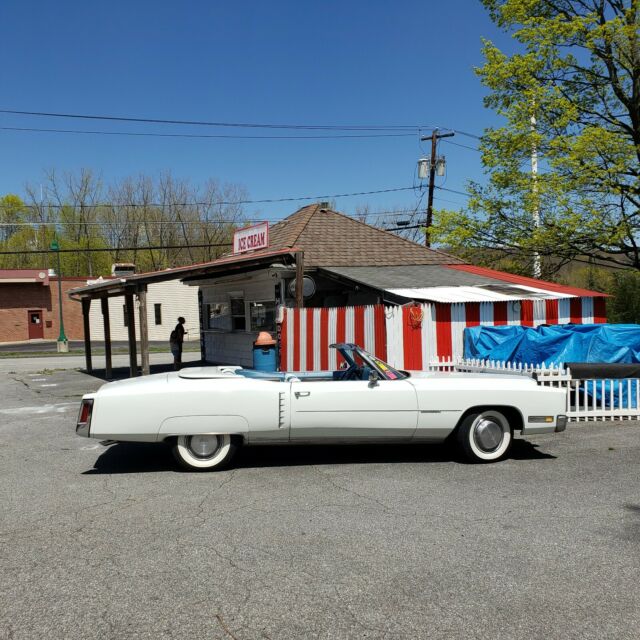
column 358, row 358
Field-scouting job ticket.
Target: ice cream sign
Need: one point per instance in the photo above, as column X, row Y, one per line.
column 251, row 238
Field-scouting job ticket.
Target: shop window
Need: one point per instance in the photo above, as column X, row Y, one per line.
column 238, row 318
column 218, row 316
column 263, row 315
column 157, row 310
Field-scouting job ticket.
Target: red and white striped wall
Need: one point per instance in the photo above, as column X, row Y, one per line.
column 395, row 335
column 442, row 328
column 307, row 333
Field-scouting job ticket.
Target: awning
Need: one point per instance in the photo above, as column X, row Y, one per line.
column 222, row 266
column 453, row 283
column 486, row 293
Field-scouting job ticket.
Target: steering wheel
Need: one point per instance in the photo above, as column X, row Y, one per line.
column 352, row 373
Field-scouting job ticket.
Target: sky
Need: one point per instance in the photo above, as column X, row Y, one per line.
column 280, row 62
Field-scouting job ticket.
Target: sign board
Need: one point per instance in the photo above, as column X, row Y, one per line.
column 251, row 238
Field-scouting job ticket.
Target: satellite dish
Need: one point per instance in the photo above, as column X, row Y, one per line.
column 308, row 287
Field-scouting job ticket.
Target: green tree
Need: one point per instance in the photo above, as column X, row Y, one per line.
column 12, row 213
column 22, row 243
column 571, row 95
column 624, row 306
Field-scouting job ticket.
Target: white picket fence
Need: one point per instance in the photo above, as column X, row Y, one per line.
column 588, row 399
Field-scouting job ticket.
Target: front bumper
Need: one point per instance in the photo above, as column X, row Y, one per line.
column 535, row 426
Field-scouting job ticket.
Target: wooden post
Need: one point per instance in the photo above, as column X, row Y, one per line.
column 86, row 306
column 108, row 369
column 299, row 279
column 131, row 322
column 144, row 331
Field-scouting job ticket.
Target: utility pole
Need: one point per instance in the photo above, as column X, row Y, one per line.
column 434, row 137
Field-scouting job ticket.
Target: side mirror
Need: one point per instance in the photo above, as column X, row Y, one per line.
column 373, row 378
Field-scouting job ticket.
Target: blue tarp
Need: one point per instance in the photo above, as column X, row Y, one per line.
column 555, row 344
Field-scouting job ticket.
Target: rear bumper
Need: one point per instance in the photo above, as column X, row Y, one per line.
column 82, row 430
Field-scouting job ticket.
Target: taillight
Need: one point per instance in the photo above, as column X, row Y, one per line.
column 85, row 412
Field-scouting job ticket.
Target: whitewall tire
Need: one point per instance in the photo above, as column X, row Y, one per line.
column 485, row 436
column 204, row 452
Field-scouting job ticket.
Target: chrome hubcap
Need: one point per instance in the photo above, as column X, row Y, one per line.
column 203, row 446
column 488, row 434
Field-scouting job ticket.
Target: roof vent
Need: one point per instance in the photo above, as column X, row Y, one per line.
column 123, row 269
column 324, row 206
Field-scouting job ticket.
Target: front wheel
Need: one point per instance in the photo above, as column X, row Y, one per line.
column 204, row 452
column 485, row 436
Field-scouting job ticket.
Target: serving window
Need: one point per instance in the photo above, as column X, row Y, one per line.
column 262, row 315
column 238, row 314
column 218, row 316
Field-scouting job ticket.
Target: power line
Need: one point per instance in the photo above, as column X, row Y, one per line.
column 204, row 123
column 111, row 223
column 223, row 203
column 464, row 146
column 412, row 226
column 242, row 125
column 460, row 193
column 449, row 201
column 213, row 136
column 469, row 135
column 115, row 249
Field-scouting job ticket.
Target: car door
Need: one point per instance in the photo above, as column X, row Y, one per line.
column 353, row 410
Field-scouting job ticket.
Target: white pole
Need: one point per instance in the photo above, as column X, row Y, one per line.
column 537, row 269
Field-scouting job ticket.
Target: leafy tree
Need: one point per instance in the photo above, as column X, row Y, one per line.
column 21, row 243
column 12, row 212
column 571, row 94
column 624, row 305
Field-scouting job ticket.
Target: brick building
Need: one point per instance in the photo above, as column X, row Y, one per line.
column 29, row 306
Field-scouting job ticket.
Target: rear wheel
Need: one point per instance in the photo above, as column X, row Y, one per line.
column 204, row 452
column 485, row 436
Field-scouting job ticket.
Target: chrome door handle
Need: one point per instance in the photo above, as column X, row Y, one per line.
column 302, row 394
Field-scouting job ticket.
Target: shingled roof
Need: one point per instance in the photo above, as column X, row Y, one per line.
column 332, row 239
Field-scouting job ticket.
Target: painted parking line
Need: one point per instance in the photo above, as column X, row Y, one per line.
column 39, row 410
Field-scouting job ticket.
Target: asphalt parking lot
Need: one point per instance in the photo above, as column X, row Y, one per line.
column 325, row 542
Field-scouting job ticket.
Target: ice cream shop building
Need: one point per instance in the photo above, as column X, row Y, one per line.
column 319, row 277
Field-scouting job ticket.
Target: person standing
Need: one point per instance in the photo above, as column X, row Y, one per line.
column 175, row 342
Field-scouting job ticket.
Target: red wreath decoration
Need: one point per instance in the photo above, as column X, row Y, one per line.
column 416, row 315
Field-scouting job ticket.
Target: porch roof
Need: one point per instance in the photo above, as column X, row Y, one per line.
column 227, row 264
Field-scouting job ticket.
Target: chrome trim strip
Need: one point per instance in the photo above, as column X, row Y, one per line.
column 82, row 429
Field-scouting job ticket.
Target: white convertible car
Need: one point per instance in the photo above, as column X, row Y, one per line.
column 206, row 413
